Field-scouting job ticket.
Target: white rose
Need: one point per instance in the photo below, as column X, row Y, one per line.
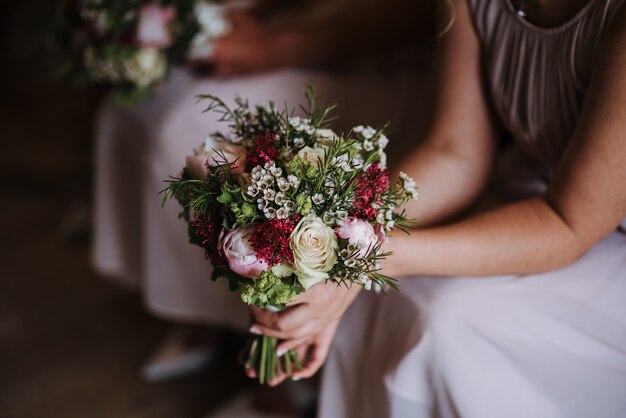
column 210, row 152
column 314, row 248
column 311, row 155
column 146, row 67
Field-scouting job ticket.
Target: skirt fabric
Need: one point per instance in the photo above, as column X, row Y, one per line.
column 542, row 345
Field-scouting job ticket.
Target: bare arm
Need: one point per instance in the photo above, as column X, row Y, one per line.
column 585, row 201
column 452, row 164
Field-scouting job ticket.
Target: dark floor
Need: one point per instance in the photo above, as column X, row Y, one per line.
column 70, row 343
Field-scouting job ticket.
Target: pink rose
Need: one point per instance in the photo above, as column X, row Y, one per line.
column 209, row 154
column 357, row 231
column 241, row 257
column 153, row 30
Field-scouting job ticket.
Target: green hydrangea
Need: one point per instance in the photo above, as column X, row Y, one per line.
column 303, row 204
column 269, row 290
column 303, row 169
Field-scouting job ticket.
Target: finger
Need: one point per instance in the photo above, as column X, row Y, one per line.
column 285, row 346
column 277, row 380
column 250, row 372
column 316, row 361
column 294, row 317
column 307, row 330
column 264, row 317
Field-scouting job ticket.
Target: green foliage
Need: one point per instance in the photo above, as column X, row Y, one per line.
column 269, row 290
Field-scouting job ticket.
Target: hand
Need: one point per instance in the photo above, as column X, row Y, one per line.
column 312, row 354
column 310, row 313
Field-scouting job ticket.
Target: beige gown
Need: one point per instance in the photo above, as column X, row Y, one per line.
column 142, row 245
column 533, row 346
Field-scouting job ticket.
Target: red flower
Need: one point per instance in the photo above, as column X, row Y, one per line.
column 205, row 232
column 271, row 240
column 370, row 186
column 264, row 150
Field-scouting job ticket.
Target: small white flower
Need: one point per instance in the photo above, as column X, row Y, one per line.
column 409, row 185
column 256, row 173
column 389, row 214
column 277, row 171
column 261, row 204
column 342, row 214
column 269, row 194
column 289, row 205
column 380, row 218
column 293, row 181
column 279, row 198
column 350, row 262
column 368, row 145
column 382, row 142
column 357, row 163
column 282, row 184
column 299, row 142
column 369, row 132
column 390, row 225
column 252, row 191
column 317, row 198
column 282, row 213
column 270, row 213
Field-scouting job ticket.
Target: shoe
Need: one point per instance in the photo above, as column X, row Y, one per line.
column 176, row 357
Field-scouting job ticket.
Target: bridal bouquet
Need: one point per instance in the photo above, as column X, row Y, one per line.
column 131, row 45
column 281, row 203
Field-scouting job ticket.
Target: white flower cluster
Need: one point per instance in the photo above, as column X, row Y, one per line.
column 372, row 142
column 270, row 187
column 409, row 185
column 384, row 217
column 301, row 124
column 344, row 162
column 334, row 217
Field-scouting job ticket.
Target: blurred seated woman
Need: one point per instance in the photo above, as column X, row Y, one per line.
column 515, row 282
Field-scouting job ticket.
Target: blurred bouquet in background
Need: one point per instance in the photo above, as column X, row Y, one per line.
column 131, row 45
column 281, row 203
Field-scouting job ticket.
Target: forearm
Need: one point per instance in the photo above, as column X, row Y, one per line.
column 449, row 180
column 521, row 238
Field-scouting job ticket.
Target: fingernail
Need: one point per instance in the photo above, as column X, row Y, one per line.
column 280, row 352
column 255, row 330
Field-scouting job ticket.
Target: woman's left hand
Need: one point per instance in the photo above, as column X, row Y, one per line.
column 313, row 311
column 312, row 353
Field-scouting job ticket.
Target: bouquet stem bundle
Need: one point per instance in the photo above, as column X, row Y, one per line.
column 262, row 357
